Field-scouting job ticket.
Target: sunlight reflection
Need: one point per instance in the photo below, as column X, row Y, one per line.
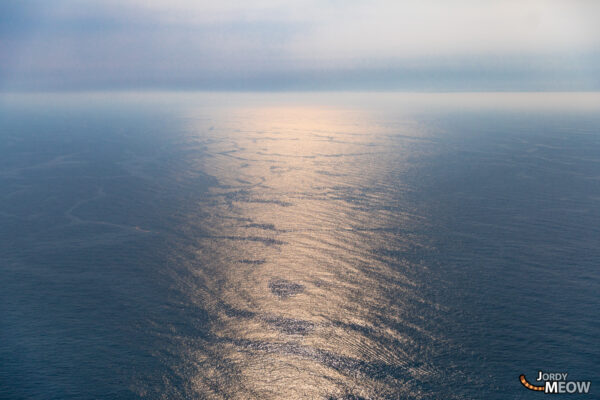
column 299, row 230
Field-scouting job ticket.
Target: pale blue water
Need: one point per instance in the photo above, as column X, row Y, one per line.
column 350, row 246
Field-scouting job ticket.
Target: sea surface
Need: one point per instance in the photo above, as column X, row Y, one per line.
column 297, row 245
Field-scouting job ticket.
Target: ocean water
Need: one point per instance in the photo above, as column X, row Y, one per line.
column 297, row 246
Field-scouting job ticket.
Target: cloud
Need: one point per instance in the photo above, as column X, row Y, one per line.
column 303, row 43
column 396, row 29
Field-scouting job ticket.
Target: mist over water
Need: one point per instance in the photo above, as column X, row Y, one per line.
column 330, row 246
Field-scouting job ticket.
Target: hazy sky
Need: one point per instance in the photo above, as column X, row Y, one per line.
column 300, row 44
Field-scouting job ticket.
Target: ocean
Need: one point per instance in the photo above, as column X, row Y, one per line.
column 297, row 245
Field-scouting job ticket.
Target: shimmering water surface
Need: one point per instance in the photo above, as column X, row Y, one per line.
column 297, row 246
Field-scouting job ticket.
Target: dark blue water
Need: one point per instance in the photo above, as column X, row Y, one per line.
column 281, row 247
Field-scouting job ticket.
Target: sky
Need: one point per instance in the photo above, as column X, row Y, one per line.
column 274, row 45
